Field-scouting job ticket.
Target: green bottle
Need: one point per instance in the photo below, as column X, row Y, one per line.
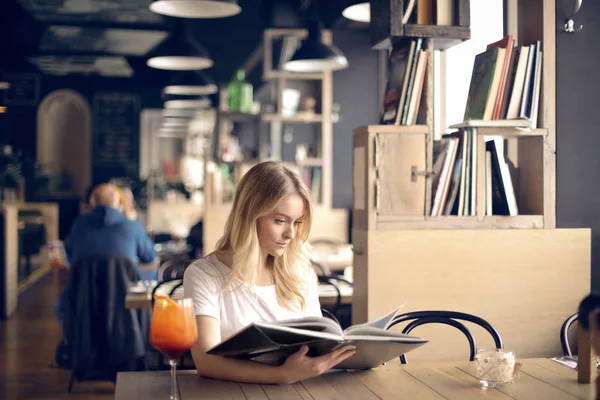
column 239, row 93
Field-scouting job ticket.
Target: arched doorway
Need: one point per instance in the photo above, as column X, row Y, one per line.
column 64, row 141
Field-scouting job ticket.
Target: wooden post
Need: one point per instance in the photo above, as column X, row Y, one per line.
column 586, row 365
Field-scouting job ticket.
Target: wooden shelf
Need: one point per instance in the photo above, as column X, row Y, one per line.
column 386, row 25
column 274, row 74
column 462, row 222
column 404, row 129
column 301, row 118
column 237, row 117
column 437, row 31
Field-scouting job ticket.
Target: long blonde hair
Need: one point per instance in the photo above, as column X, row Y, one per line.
column 257, row 195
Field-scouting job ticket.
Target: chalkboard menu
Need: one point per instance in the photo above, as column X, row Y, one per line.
column 116, row 119
column 24, row 89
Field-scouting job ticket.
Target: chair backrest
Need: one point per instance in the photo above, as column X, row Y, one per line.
column 564, row 334
column 172, row 269
column 103, row 335
column 450, row 318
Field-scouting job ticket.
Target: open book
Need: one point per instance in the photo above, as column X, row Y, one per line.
column 272, row 342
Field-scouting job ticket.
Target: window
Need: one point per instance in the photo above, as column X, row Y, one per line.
column 453, row 77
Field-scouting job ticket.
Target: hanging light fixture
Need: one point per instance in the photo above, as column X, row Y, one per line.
column 196, row 8
column 191, row 83
column 180, row 55
column 199, row 103
column 175, row 123
column 314, row 55
column 172, row 113
column 360, row 12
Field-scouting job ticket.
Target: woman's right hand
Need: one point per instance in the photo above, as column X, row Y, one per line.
column 299, row 366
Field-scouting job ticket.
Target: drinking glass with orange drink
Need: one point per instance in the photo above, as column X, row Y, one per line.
column 173, row 331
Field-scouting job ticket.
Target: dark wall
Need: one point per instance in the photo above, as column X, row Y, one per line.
column 355, row 89
column 19, row 125
column 578, row 125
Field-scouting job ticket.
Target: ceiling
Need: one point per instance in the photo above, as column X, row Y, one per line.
column 113, row 38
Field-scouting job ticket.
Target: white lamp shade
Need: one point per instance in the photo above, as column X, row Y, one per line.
column 360, row 12
column 191, row 90
column 179, row 63
column 188, row 104
column 174, row 113
column 196, row 8
column 176, row 122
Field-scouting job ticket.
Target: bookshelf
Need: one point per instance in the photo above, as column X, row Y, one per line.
column 328, row 223
column 277, row 46
column 386, row 25
column 495, row 266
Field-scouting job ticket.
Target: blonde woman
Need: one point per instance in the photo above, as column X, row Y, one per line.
column 260, row 271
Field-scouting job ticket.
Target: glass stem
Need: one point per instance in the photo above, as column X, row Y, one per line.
column 174, row 388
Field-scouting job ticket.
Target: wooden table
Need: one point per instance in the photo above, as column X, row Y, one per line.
column 539, row 379
column 327, row 297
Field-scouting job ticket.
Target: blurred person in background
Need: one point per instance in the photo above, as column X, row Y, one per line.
column 106, row 231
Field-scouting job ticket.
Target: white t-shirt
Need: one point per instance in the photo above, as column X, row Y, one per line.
column 205, row 279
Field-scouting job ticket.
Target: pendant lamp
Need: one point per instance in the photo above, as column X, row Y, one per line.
column 173, row 113
column 179, row 55
column 314, row 55
column 196, row 8
column 360, row 12
column 189, row 104
column 191, row 83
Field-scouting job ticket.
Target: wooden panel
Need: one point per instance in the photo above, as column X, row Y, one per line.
column 464, row 12
column 462, row 222
column 360, row 296
column 543, row 28
column 524, row 282
column 396, row 155
column 363, row 180
column 530, row 196
column 404, row 129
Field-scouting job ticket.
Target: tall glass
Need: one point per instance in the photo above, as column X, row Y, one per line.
column 173, row 331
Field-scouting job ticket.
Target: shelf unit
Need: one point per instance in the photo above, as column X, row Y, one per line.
column 524, row 281
column 290, row 38
column 386, row 25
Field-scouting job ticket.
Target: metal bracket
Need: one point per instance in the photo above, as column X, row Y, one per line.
column 569, row 23
column 414, row 174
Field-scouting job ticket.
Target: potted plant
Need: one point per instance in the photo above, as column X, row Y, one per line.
column 10, row 173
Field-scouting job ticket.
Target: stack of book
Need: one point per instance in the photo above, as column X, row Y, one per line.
column 454, row 177
column 406, row 74
column 504, row 92
column 506, row 82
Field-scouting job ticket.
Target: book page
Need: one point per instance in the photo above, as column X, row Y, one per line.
column 316, row 324
column 381, row 323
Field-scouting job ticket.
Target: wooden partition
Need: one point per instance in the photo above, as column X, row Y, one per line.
column 525, row 282
column 10, row 250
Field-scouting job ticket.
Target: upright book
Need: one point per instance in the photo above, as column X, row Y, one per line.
column 272, row 342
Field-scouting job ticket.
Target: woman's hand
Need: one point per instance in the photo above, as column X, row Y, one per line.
column 299, row 366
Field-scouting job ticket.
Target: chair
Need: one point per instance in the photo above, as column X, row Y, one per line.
column 450, row 318
column 564, row 334
column 104, row 337
column 172, row 269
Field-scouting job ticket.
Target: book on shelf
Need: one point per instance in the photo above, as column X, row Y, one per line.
column 272, row 342
column 406, row 76
column 506, row 83
column 454, row 184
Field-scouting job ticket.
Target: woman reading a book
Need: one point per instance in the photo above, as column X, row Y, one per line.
column 259, row 271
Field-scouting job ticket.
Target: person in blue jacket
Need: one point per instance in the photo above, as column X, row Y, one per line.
column 106, row 231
